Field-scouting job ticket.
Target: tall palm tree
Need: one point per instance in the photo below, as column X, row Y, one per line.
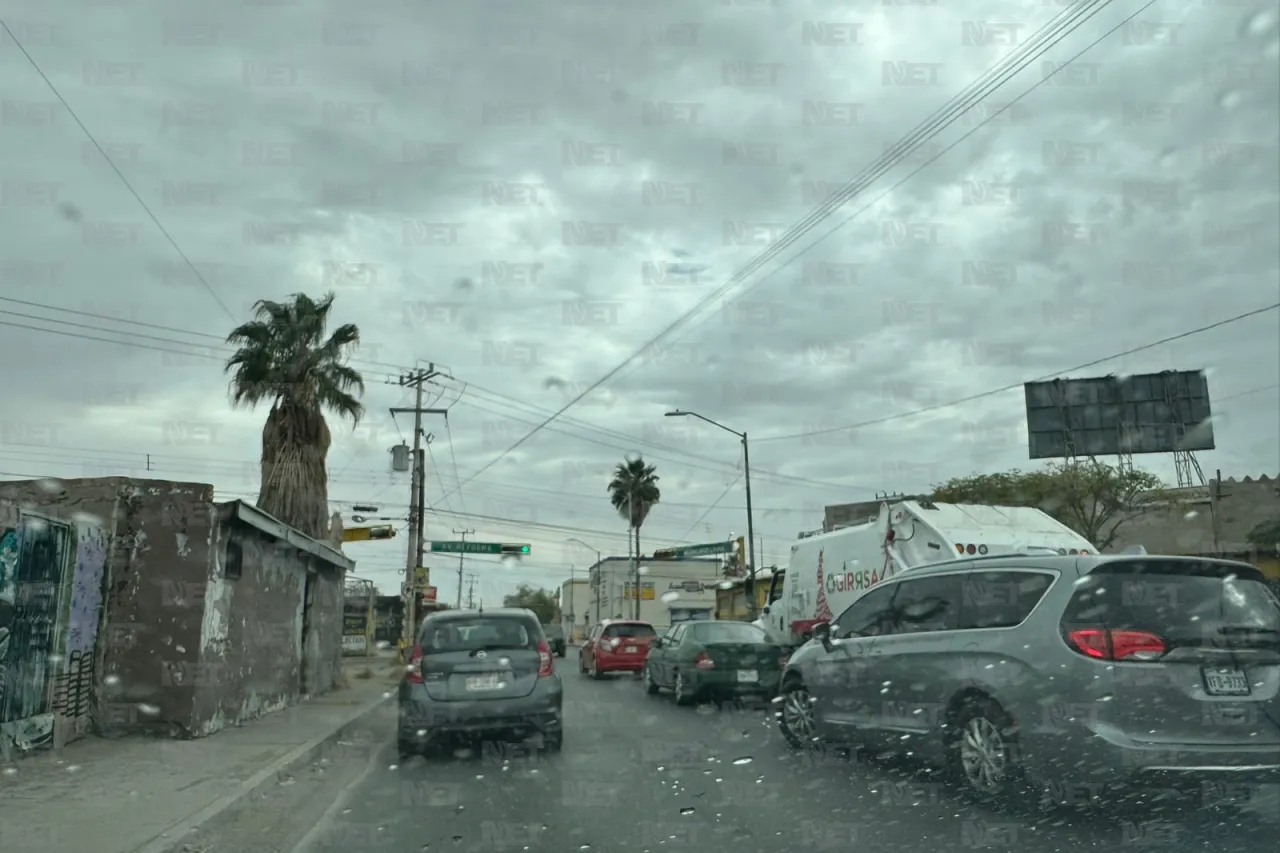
column 633, row 491
column 284, row 357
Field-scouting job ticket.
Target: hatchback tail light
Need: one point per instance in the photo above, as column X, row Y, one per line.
column 1107, row 644
column 703, row 661
column 415, row 666
column 546, row 663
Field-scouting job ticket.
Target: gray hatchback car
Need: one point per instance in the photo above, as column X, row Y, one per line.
column 483, row 673
column 1021, row 672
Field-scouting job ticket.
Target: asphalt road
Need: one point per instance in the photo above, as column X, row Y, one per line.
column 639, row 774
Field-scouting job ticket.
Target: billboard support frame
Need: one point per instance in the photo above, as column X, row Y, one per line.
column 1164, row 412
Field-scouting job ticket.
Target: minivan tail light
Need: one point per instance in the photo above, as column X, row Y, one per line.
column 415, row 666
column 546, row 664
column 1105, row 644
column 704, row 661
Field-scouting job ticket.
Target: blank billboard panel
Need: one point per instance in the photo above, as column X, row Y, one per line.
column 1112, row 415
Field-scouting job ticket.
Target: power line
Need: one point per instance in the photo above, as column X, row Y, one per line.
column 220, row 353
column 1018, row 385
column 119, row 174
column 701, row 518
column 1061, row 26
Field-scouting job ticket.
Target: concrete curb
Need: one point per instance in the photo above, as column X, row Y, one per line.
column 174, row 837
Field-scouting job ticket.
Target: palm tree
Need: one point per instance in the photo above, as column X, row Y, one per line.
column 284, row 357
column 633, row 491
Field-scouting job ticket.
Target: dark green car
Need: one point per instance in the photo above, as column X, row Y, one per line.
column 717, row 660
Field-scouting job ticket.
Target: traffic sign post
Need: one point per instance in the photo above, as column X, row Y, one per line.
column 710, row 549
column 479, row 548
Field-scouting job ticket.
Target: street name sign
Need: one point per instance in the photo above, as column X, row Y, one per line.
column 478, row 548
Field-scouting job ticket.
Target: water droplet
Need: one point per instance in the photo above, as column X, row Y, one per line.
column 180, row 649
column 1230, row 99
column 1259, row 24
column 740, row 761
column 73, row 768
column 687, row 810
column 149, row 710
column 393, row 767
column 668, row 597
column 111, row 680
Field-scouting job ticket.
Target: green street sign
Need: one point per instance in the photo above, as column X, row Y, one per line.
column 710, row 549
column 479, row 548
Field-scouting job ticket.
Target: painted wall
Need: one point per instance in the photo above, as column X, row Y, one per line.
column 51, row 570
column 251, row 643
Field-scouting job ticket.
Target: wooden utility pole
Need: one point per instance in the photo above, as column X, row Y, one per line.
column 417, row 539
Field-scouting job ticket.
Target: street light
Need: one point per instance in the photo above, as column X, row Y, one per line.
column 599, row 560
column 746, row 479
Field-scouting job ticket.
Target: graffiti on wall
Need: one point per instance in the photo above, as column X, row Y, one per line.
column 50, row 606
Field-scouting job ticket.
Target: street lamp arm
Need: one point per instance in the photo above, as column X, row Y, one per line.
column 680, row 414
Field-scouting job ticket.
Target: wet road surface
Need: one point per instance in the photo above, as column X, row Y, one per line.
column 640, row 774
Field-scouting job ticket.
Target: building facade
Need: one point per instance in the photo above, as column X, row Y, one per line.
column 670, row 590
column 177, row 615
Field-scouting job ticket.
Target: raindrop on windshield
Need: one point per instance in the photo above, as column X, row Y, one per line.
column 687, row 810
column 742, row 760
column 668, row 597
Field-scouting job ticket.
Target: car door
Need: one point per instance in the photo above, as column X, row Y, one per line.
column 915, row 660
column 589, row 645
column 671, row 654
column 845, row 689
column 658, row 652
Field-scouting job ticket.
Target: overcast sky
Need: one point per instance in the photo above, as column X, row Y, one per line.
column 525, row 193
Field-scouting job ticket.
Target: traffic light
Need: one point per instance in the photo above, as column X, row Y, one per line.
column 516, row 550
column 361, row 534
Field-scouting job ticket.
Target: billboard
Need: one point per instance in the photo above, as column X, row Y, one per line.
column 647, row 591
column 1113, row 415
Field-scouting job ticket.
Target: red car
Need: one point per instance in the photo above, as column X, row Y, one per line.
column 616, row 645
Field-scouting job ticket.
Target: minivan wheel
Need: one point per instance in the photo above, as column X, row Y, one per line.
column 795, row 720
column 984, row 751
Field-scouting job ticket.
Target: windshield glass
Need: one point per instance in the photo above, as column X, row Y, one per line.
column 325, row 320
column 728, row 632
column 630, row 630
column 1178, row 599
column 457, row 635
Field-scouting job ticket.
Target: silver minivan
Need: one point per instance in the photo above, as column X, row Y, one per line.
column 1019, row 672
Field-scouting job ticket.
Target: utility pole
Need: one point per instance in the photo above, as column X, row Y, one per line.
column 417, row 539
column 464, row 534
column 471, row 592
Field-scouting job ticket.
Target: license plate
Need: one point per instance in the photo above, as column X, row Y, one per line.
column 1225, row 682
column 483, row 682
column 748, row 675
column 631, row 650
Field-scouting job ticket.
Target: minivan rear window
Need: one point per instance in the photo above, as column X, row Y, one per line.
column 480, row 632
column 630, row 630
column 1187, row 600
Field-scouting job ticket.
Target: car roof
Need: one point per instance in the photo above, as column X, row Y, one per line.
column 452, row 615
column 607, row 622
column 1083, row 564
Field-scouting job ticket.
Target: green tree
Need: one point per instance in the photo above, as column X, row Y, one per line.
column 634, row 491
column 540, row 601
column 1092, row 498
column 284, row 357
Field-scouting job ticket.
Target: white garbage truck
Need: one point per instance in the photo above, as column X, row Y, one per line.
column 830, row 571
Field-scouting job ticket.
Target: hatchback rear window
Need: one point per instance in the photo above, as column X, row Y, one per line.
column 468, row 635
column 728, row 632
column 632, row 630
column 1190, row 601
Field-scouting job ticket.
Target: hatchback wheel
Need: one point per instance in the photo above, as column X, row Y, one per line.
column 650, row 686
column 984, row 751
column 593, row 668
column 796, row 717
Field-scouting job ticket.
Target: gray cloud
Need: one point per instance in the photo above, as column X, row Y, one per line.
column 527, row 193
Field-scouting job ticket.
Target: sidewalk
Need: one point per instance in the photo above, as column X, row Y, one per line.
column 143, row 795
